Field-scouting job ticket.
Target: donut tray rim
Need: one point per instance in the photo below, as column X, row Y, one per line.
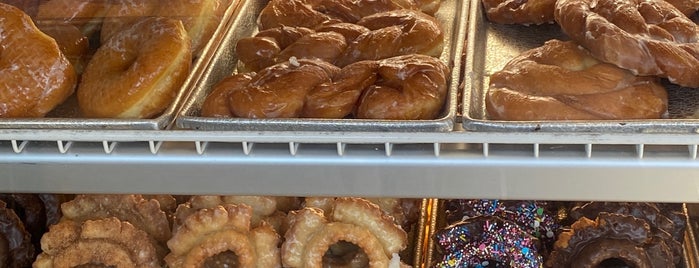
column 162, row 121
column 473, row 116
column 245, row 24
column 690, row 250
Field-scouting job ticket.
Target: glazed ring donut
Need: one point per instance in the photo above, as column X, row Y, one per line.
column 519, row 12
column 610, row 236
column 487, row 239
column 108, row 242
column 646, row 37
column 138, row 72
column 33, row 85
column 354, row 220
column 561, row 81
column 208, row 232
column 307, row 13
column 72, row 42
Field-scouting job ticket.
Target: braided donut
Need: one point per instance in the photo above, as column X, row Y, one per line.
column 209, row 232
column 310, row 13
column 483, row 239
column 138, row 72
column 644, row 36
column 519, row 12
column 610, row 237
column 561, row 81
column 16, row 248
column 353, row 220
column 108, row 242
column 35, row 76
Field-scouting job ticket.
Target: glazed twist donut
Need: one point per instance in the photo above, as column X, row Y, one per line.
column 378, row 36
column 561, row 81
column 30, row 86
column 687, row 7
column 406, row 87
column 644, row 36
column 610, row 236
column 519, row 12
column 353, row 220
column 138, row 72
column 209, row 232
column 310, row 13
column 108, row 242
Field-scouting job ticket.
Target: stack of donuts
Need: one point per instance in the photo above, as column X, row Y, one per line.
column 337, row 59
column 122, row 58
column 496, row 233
column 132, row 230
column 611, row 68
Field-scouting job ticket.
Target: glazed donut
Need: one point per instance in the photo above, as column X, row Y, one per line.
column 646, row 37
column 480, row 240
column 395, row 33
column 108, row 242
column 144, row 214
column 72, row 42
column 519, row 12
column 353, row 220
column 30, row 7
column 262, row 206
column 687, row 7
column 561, row 81
column 30, row 86
column 87, row 15
column 123, row 13
column 16, row 248
column 404, row 211
column 209, row 232
column 138, row 72
column 611, row 236
column 310, row 13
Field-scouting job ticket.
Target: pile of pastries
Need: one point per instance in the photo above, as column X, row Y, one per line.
column 611, row 68
column 204, row 231
column 111, row 59
column 337, row 59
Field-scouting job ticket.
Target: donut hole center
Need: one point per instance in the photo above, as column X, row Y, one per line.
column 345, row 254
column 614, row 263
column 224, row 259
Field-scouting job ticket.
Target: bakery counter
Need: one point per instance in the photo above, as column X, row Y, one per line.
column 570, row 166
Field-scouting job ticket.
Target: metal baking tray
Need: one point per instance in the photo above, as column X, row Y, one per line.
column 490, row 46
column 690, row 251
column 67, row 115
column 452, row 15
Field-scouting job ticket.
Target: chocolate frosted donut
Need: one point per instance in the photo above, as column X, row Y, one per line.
column 16, row 249
column 487, row 241
column 610, row 237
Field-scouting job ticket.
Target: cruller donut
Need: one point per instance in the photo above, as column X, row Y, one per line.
column 138, row 72
column 561, row 81
column 35, row 76
column 644, row 36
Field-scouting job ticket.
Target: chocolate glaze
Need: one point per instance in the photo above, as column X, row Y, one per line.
column 21, row 250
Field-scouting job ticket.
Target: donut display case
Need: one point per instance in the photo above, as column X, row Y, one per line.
column 124, row 73
column 460, row 154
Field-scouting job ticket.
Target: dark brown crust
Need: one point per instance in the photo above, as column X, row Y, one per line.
column 19, row 246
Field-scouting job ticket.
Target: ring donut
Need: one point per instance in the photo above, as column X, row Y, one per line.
column 354, row 220
column 562, row 81
column 35, row 76
column 209, row 232
column 610, row 236
column 108, row 242
column 646, row 37
column 138, row 72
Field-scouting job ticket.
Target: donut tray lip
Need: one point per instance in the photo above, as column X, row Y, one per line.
column 491, row 46
column 65, row 115
column 452, row 15
column 690, row 251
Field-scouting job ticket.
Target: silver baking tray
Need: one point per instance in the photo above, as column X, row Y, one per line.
column 452, row 15
column 67, row 116
column 490, row 46
column 690, row 253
